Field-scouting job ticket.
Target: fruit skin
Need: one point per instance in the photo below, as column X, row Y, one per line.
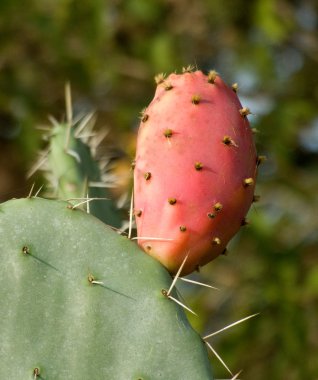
column 57, row 325
column 197, row 145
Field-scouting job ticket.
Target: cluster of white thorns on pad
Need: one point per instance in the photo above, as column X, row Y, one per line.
column 92, row 280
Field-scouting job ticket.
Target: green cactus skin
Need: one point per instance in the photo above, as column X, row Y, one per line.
column 56, row 324
column 71, row 164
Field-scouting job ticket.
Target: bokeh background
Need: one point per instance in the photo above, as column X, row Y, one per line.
column 110, row 52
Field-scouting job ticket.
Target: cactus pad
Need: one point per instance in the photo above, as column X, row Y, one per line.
column 78, row 301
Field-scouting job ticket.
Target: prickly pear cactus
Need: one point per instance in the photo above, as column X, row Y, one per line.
column 78, row 301
column 195, row 169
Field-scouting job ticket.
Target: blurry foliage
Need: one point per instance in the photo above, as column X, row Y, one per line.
column 110, row 51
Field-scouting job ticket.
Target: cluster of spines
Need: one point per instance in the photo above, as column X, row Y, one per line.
column 167, row 294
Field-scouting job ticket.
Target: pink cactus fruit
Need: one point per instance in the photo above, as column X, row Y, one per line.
column 195, row 170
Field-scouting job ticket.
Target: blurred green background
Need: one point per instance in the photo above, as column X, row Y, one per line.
column 110, row 52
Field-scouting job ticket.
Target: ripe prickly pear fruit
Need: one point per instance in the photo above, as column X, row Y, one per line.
column 195, row 170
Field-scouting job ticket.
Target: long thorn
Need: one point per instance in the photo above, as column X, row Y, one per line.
column 219, row 357
column 237, row 375
column 84, row 122
column 82, row 199
column 198, row 283
column 101, row 185
column 231, row 325
column 31, row 191
column 86, row 201
column 87, row 136
column 98, row 138
column 38, row 192
column 53, row 120
column 150, row 238
column 177, row 275
column 44, row 128
column 87, row 206
column 69, row 116
column 181, row 304
column 74, row 154
column 131, row 214
column 36, row 166
column 68, row 103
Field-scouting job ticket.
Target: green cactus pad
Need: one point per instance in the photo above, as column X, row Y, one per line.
column 78, row 301
column 72, row 167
